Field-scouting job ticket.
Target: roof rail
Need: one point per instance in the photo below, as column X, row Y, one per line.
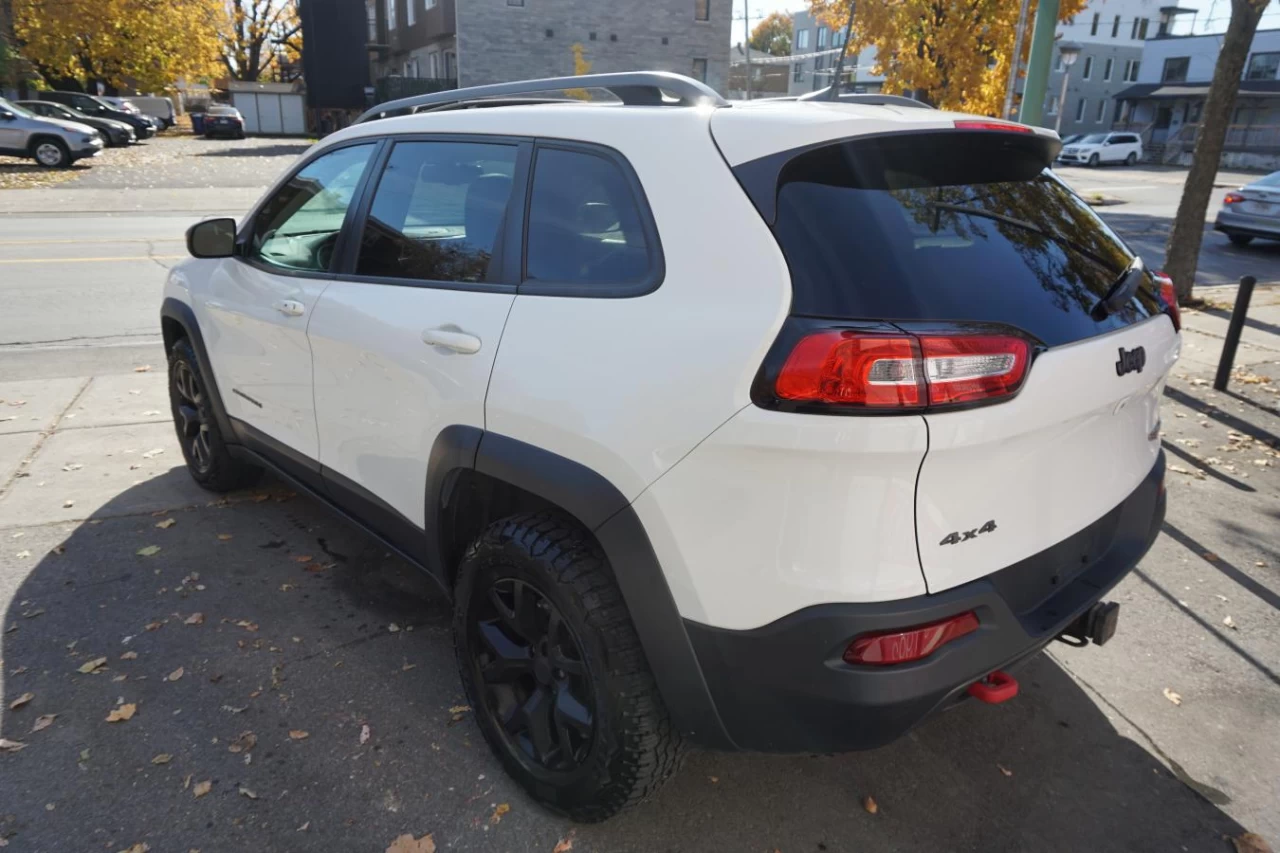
column 870, row 99
column 633, row 88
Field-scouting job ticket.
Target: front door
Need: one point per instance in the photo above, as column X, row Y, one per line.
column 259, row 303
column 1164, row 118
column 404, row 341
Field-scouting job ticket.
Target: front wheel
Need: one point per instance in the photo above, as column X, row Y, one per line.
column 552, row 666
column 1131, row 159
column 51, row 153
column 1240, row 239
column 1093, row 160
column 209, row 461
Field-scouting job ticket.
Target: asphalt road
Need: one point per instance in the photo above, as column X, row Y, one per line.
column 1091, row 756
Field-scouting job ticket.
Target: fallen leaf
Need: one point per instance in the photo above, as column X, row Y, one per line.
column 244, row 742
column 1251, row 842
column 19, row 670
column 1230, row 623
column 7, row 745
column 245, row 792
column 247, row 625
column 145, row 368
column 194, row 619
column 84, row 755
column 498, row 812
column 43, row 722
column 124, row 712
column 22, row 555
column 140, row 847
column 68, row 503
column 261, row 498
column 202, row 788
column 304, row 827
column 393, row 628
column 167, row 523
column 1005, row 770
column 1172, row 697
column 299, row 734
column 21, row 700
column 459, row 709
column 408, row 844
column 869, row 803
column 154, row 626
column 285, row 587
column 175, row 675
column 306, row 558
column 151, row 454
column 73, row 466
column 564, row 845
column 224, row 536
column 92, row 666
column 364, row 735
column 713, row 779
column 162, row 758
column 407, row 666
column 30, row 614
column 58, row 550
column 149, row 551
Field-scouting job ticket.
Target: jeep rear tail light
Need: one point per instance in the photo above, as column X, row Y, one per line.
column 881, row 371
column 885, row 648
column 970, row 124
column 1170, row 297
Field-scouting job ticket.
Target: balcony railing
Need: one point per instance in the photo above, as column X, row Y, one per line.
column 1240, row 137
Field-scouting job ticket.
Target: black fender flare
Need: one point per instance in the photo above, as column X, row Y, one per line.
column 180, row 312
column 606, row 513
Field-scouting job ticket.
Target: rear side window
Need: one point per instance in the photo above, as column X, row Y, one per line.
column 438, row 211
column 956, row 226
column 585, row 226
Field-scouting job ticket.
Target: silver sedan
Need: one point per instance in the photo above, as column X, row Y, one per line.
column 1251, row 211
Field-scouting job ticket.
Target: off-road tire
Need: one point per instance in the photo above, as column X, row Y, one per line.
column 634, row 747
column 218, row 471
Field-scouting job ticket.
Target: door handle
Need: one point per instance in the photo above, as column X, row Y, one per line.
column 452, row 338
column 290, row 307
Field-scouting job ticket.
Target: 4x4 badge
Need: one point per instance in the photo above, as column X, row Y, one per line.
column 1132, row 360
column 965, row 535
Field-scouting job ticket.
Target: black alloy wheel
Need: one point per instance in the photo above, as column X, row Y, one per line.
column 193, row 427
column 536, row 683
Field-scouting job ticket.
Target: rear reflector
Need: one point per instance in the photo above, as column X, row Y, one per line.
column 885, row 648
column 847, row 368
column 1170, row 297
column 968, row 124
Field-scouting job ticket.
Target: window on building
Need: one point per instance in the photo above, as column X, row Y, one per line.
column 1175, row 69
column 1088, row 68
column 837, row 38
column 585, row 227
column 296, row 228
column 823, row 33
column 1142, row 28
column 1133, row 74
column 1053, row 105
column 700, row 70
column 429, row 4
column 371, row 13
column 1262, row 66
column 1106, row 68
column 702, row 10
column 1093, row 31
column 1102, row 111
column 411, row 13
column 797, row 72
column 1115, row 27
column 802, row 39
column 437, row 211
column 1080, row 107
column 391, row 15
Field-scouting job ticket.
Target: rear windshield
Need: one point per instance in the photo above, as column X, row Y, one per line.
column 949, row 227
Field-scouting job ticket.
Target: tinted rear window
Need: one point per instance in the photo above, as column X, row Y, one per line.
column 948, row 227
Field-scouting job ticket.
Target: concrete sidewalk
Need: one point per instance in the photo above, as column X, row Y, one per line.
column 260, row 618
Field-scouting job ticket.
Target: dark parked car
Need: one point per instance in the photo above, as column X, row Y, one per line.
column 113, row 132
column 222, row 120
column 90, row 105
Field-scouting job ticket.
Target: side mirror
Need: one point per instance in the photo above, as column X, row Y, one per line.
column 5, row 115
column 213, row 238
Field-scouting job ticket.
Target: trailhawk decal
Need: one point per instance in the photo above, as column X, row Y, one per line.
column 965, row 535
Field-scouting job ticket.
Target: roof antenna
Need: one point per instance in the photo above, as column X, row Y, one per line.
column 834, row 92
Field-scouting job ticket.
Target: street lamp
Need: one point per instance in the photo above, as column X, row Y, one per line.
column 1069, row 53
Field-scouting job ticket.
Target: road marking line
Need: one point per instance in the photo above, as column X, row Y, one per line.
column 39, row 242
column 89, row 260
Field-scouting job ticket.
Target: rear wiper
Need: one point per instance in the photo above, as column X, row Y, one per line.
column 1025, row 225
column 1121, row 291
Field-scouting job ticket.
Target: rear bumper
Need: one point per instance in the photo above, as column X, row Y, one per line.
column 785, row 688
column 1246, row 223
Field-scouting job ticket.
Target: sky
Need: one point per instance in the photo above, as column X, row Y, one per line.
column 1211, row 17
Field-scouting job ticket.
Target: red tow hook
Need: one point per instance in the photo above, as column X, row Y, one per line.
column 997, row 687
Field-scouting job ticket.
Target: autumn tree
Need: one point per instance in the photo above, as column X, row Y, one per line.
column 260, row 31
column 773, row 35
column 955, row 54
column 1183, row 249
column 144, row 43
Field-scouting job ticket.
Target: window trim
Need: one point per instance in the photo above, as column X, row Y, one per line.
column 245, row 232
column 1248, row 66
column 653, row 244
column 1108, row 66
column 1087, row 72
column 505, row 248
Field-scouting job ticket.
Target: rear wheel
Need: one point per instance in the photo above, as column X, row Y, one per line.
column 1093, row 160
column 553, row 668
column 1131, row 159
column 51, row 153
column 208, row 461
column 1240, row 239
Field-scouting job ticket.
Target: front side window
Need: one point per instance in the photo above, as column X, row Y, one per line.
column 585, row 226
column 298, row 227
column 1175, row 69
column 438, row 212
column 1262, row 66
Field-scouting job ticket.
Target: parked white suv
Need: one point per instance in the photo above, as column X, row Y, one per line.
column 775, row 427
column 1098, row 148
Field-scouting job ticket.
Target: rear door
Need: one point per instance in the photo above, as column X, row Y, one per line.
column 955, row 235
column 405, row 338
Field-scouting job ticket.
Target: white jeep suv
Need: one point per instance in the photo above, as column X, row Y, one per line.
column 772, row 427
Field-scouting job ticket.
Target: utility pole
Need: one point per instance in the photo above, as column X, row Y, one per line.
column 746, row 46
column 1038, row 64
column 1017, row 61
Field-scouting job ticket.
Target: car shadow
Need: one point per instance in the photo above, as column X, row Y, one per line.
column 308, row 677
